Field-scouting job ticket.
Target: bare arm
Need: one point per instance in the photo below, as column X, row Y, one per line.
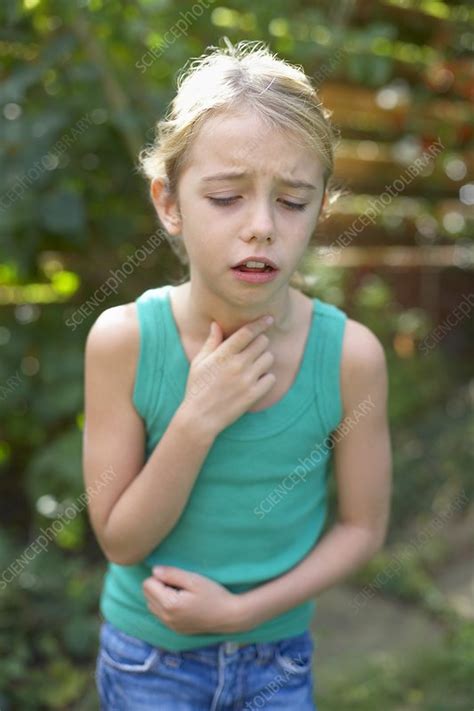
column 362, row 459
column 151, row 506
column 143, row 501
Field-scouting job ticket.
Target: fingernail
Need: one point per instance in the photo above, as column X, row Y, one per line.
column 157, row 569
column 268, row 319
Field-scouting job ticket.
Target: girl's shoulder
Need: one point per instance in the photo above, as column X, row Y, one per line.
column 363, row 362
column 115, row 335
column 117, row 322
column 360, row 344
column 361, row 349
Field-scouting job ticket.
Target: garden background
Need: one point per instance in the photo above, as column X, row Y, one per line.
column 82, row 84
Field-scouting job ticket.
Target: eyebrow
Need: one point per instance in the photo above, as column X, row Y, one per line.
column 238, row 175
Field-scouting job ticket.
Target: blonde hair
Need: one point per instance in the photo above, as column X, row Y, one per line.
column 235, row 78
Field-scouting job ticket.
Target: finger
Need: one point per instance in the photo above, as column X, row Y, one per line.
column 157, row 610
column 155, row 586
column 158, row 591
column 258, row 346
column 214, row 338
column 154, row 607
column 174, row 576
column 241, row 338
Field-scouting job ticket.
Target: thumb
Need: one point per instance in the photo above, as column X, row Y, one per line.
column 173, row 576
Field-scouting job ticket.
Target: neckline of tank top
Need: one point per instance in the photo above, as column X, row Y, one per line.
column 287, row 404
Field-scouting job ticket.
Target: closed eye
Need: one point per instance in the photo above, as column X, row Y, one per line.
column 229, row 201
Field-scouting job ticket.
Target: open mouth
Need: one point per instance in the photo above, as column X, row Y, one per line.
column 242, row 268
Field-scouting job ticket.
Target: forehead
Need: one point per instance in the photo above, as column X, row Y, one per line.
column 246, row 142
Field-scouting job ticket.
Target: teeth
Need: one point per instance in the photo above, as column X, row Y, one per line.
column 254, row 264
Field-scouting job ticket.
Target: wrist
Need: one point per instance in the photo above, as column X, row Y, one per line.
column 193, row 425
column 240, row 614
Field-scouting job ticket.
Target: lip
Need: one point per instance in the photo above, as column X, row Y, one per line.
column 256, row 258
column 255, row 277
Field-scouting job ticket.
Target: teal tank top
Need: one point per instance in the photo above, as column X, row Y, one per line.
column 259, row 502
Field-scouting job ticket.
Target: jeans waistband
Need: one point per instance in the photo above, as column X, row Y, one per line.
column 250, row 650
column 210, row 652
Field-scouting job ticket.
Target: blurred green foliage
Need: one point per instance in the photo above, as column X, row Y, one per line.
column 76, row 109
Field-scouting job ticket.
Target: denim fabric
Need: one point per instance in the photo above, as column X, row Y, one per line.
column 133, row 675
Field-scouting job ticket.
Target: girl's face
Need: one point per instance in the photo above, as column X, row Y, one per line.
column 239, row 195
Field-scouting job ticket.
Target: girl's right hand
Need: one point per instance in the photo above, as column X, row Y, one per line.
column 227, row 377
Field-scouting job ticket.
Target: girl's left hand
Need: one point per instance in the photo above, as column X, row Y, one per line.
column 200, row 605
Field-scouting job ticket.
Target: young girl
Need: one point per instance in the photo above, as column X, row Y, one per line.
column 220, row 425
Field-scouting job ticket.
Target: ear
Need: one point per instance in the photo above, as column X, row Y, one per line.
column 166, row 206
column 324, row 205
column 325, row 201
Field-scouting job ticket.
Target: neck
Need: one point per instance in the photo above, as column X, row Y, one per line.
column 204, row 305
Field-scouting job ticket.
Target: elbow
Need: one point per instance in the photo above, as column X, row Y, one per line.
column 121, row 554
column 117, row 559
column 378, row 539
column 117, row 553
column 120, row 549
column 114, row 548
column 382, row 533
column 372, row 538
column 120, row 557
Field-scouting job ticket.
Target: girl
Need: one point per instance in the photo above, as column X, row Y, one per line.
column 220, row 424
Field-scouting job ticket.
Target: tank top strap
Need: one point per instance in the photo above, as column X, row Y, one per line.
column 330, row 328
column 150, row 363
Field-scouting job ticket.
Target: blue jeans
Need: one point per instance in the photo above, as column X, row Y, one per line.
column 133, row 675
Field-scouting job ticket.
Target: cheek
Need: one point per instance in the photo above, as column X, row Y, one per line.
column 204, row 246
column 300, row 240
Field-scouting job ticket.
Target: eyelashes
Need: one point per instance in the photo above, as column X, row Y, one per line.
column 222, row 202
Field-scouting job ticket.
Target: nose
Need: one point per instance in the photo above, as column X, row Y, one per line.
column 260, row 225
